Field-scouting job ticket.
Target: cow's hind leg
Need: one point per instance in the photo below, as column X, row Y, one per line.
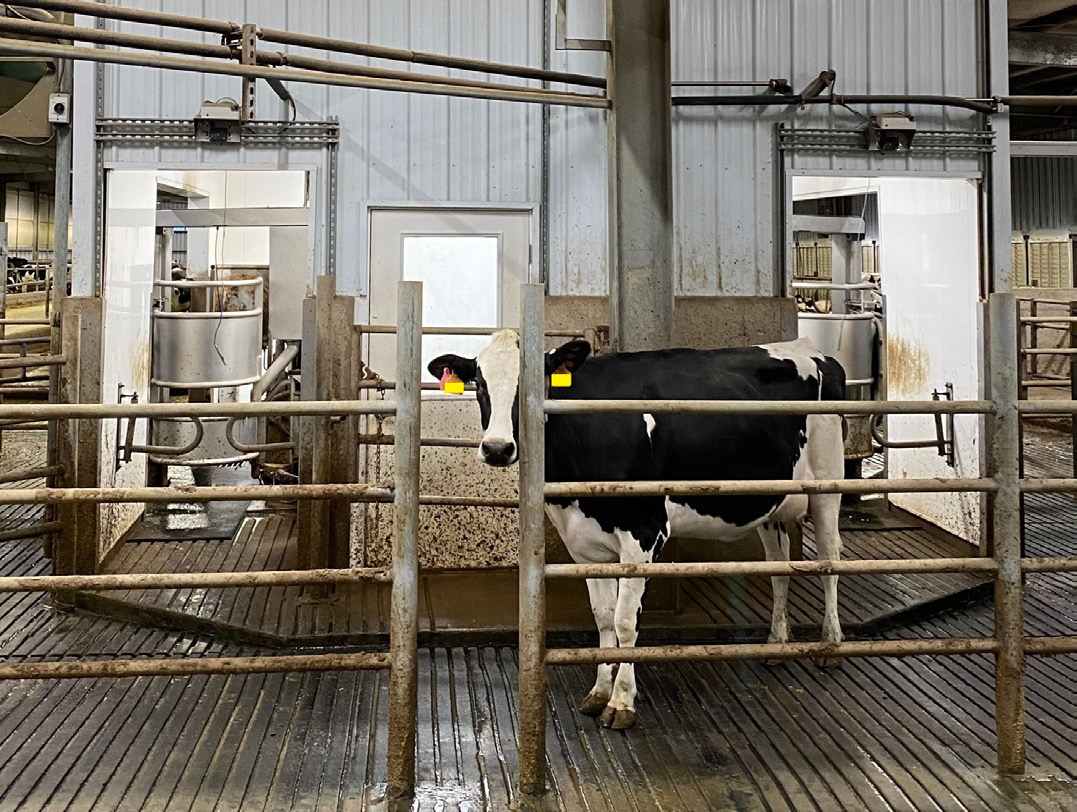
column 776, row 547
column 620, row 712
column 824, row 510
column 603, row 594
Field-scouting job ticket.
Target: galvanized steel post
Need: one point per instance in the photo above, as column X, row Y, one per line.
column 640, row 148
column 403, row 686
column 532, row 699
column 1004, row 457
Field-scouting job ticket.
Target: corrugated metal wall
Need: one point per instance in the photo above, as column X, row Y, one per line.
column 1044, row 192
column 398, row 147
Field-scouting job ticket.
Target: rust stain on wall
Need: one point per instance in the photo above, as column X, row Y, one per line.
column 908, row 366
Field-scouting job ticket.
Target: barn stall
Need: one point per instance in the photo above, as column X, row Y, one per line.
column 285, row 595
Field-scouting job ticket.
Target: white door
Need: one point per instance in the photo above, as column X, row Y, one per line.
column 471, row 264
column 929, row 251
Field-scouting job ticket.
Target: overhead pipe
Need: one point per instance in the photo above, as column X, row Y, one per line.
column 186, row 48
column 1038, row 101
column 319, row 43
column 978, row 105
column 25, row 48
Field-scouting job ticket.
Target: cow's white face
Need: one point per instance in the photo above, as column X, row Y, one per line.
column 496, row 375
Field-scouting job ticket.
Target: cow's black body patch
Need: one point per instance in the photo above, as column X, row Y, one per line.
column 683, row 447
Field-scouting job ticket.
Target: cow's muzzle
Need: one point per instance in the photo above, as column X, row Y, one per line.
column 497, row 453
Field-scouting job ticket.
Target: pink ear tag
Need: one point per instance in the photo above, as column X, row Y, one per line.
column 450, row 383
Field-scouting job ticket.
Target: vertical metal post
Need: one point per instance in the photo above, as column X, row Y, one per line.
column 532, row 699
column 1073, row 382
column 403, row 687
column 62, row 204
column 1000, row 250
column 248, row 55
column 1033, row 340
column 1005, row 451
column 640, row 149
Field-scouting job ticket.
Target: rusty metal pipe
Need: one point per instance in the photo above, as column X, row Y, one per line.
column 291, row 663
column 134, row 15
column 777, row 651
column 29, row 361
column 712, row 569
column 99, row 411
column 768, row 487
column 20, row 474
column 1049, row 646
column 31, row 531
column 797, row 407
column 224, row 493
column 108, row 56
column 191, row 580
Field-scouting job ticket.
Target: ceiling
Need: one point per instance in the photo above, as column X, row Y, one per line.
column 1043, row 62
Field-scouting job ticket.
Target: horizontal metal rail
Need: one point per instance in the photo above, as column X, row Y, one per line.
column 99, row 411
column 1056, row 382
column 1048, row 351
column 773, row 487
column 426, row 442
column 31, row 361
column 716, row 569
column 215, row 493
column 795, row 407
column 179, row 63
column 1049, row 320
column 1047, row 406
column 777, row 651
column 191, row 580
column 724, row 569
column 31, row 531
column 19, row 474
column 318, row 43
column 390, row 329
column 196, row 665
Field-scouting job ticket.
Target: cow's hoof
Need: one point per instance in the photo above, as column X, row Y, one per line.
column 618, row 719
column 829, row 662
column 594, row 703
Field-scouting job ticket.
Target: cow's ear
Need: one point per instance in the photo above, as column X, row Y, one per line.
column 570, row 356
column 463, row 367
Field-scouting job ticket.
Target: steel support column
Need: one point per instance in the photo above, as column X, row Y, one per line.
column 640, row 148
column 532, row 707
column 403, row 687
column 1004, row 455
column 1000, row 226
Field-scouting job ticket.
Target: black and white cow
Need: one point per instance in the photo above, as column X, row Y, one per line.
column 664, row 447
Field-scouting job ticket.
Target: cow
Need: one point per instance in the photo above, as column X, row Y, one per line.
column 626, row 447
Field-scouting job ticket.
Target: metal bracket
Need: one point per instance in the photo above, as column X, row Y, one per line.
column 128, row 446
column 562, row 41
column 944, row 431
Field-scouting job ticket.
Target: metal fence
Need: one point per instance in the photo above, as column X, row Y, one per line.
column 400, row 660
column 1008, row 644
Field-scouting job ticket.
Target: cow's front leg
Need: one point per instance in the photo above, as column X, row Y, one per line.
column 620, row 713
column 603, row 594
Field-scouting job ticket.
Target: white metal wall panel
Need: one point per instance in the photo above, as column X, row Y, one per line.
column 395, row 147
column 405, row 148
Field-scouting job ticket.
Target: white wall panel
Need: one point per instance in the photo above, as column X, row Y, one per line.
column 403, row 148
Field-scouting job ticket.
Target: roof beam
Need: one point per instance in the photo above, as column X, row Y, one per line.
column 1055, row 50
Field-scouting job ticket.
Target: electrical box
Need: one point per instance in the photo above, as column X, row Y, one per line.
column 217, row 123
column 59, row 108
column 891, row 132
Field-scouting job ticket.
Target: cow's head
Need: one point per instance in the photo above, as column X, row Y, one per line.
column 496, row 375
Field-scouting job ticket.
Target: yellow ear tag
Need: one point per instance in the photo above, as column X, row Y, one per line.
column 450, row 383
column 561, row 378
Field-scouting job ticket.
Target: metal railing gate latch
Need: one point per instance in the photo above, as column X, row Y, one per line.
column 944, row 430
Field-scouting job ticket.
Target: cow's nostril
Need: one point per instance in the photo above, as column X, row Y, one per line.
column 498, row 452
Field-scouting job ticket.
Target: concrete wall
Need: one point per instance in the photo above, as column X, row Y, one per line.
column 487, row 537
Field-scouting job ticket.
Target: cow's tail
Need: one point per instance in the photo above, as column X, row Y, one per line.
column 832, row 386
